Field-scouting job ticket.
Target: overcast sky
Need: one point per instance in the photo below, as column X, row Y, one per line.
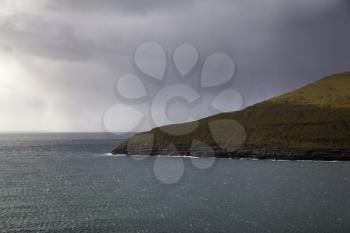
column 60, row 59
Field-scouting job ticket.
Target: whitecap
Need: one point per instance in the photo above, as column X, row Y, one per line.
column 114, row 155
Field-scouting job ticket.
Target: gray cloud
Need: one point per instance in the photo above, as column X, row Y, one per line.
column 73, row 51
column 121, row 6
column 34, row 35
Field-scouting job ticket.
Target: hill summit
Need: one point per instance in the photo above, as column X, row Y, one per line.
column 312, row 122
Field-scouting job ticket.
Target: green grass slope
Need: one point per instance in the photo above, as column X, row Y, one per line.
column 315, row 118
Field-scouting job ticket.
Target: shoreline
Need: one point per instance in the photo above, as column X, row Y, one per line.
column 278, row 155
column 228, row 158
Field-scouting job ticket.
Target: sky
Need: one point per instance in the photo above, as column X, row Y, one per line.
column 59, row 60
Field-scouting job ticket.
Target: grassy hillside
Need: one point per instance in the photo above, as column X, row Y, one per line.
column 313, row 118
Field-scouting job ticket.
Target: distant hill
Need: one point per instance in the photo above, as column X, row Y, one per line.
column 312, row 122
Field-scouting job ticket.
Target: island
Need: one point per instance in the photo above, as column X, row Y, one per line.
column 310, row 123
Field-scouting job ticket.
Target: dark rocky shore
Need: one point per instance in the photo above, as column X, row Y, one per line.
column 261, row 154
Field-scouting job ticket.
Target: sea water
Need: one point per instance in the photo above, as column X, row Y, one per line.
column 69, row 183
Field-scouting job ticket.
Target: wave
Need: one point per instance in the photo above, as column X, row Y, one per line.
column 114, row 155
column 181, row 156
column 321, row 161
column 196, row 157
column 162, row 156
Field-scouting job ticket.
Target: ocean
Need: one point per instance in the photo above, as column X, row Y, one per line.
column 70, row 183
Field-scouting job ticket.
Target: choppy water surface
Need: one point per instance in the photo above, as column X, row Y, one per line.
column 66, row 183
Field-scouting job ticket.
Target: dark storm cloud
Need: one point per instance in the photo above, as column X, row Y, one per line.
column 75, row 50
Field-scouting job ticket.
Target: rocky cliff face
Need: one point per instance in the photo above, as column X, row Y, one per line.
column 310, row 123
